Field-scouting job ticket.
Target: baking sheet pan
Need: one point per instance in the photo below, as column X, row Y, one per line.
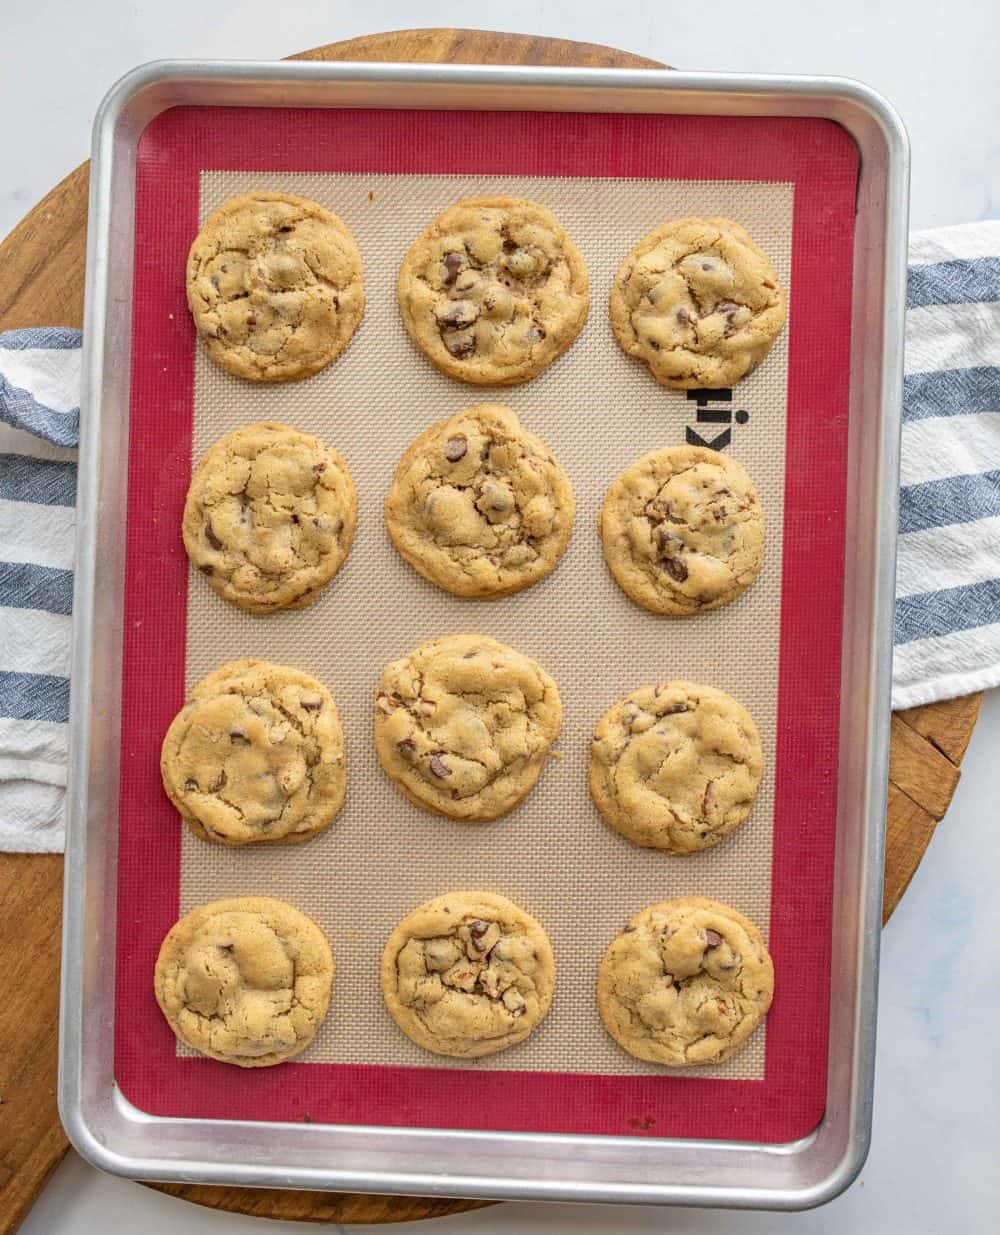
column 809, row 495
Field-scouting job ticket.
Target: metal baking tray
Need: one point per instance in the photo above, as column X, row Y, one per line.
column 118, row 1137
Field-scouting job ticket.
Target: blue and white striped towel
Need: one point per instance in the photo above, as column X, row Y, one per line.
column 948, row 587
column 39, row 422
column 948, row 580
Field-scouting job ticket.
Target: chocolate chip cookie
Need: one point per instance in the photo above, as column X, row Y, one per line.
column 245, row 981
column 269, row 517
column 463, row 725
column 686, row 982
column 274, row 286
column 682, row 530
column 493, row 291
column 468, row 974
column 698, row 302
column 676, row 767
column 256, row 756
column 479, row 506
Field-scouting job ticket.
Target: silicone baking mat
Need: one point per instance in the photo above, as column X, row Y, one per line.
column 610, row 179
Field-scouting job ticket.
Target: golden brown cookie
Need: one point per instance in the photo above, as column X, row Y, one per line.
column 468, row 974
column 274, row 286
column 463, row 725
column 479, row 505
column 676, row 767
column 682, row 530
column 269, row 517
column 686, row 982
column 494, row 290
column 698, row 302
column 245, row 980
column 256, row 756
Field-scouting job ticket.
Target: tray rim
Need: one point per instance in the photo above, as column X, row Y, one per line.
column 114, row 1135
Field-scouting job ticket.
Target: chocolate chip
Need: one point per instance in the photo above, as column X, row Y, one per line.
column 190, row 784
column 460, row 345
column 211, row 537
column 675, row 568
column 206, row 570
column 460, row 314
column 453, row 263
column 319, row 467
column 310, row 705
column 238, row 734
column 675, row 708
column 666, row 539
column 708, row 265
column 478, row 928
column 251, row 319
column 455, row 448
column 536, row 334
column 295, row 519
column 509, row 246
column 714, row 938
column 406, row 747
column 683, row 316
column 726, row 306
column 438, row 766
column 708, row 797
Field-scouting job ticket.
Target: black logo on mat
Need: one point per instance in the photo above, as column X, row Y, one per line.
column 708, row 415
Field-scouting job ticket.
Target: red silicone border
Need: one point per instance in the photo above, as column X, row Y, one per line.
column 821, row 161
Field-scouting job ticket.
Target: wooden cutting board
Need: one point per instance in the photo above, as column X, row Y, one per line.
column 41, row 284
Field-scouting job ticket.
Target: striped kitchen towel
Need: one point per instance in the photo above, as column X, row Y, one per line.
column 947, row 632
column 39, row 423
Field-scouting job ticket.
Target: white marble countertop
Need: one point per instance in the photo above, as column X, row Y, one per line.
column 933, row 1165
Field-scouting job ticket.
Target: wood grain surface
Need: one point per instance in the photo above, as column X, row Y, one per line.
column 41, row 284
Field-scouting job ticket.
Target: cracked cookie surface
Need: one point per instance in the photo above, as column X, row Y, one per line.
column 463, row 725
column 686, row 982
column 683, row 530
column 494, row 290
column 274, row 286
column 256, row 756
column 699, row 302
column 479, row 505
column 468, row 974
column 269, row 517
column 245, row 980
column 675, row 767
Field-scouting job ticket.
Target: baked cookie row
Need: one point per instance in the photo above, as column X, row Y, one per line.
column 247, row 980
column 479, row 506
column 492, row 292
column 463, row 727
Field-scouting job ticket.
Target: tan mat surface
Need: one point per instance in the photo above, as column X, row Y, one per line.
column 597, row 410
